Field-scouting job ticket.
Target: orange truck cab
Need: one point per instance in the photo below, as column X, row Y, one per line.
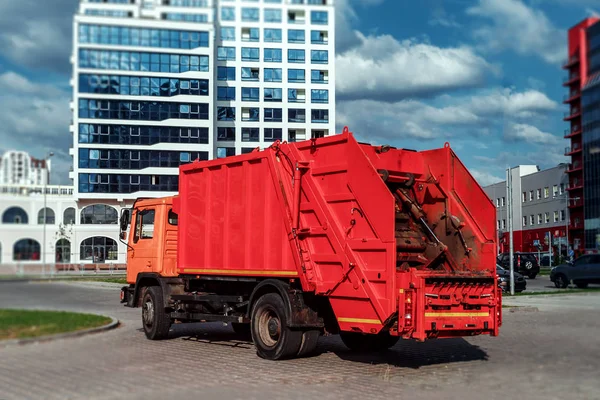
column 325, row 236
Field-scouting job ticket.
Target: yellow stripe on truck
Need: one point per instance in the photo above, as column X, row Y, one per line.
column 360, row 321
column 240, row 272
column 457, row 314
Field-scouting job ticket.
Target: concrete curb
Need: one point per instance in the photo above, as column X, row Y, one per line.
column 114, row 323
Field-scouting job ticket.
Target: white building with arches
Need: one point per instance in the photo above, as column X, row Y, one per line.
column 72, row 236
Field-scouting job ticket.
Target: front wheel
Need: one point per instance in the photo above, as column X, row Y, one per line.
column 364, row 343
column 155, row 320
column 561, row 281
column 273, row 338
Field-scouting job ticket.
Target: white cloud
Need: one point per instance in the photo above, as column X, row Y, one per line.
column 37, row 35
column 484, row 178
column 35, row 118
column 520, row 28
column 439, row 17
column 530, row 134
column 381, row 67
column 509, row 103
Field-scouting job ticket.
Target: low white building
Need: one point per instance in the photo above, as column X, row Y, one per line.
column 74, row 234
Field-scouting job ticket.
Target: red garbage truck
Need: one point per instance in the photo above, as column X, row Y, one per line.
column 324, row 236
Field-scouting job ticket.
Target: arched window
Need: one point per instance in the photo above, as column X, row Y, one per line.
column 15, row 215
column 63, row 251
column 26, row 250
column 69, row 216
column 99, row 214
column 49, row 216
column 98, row 249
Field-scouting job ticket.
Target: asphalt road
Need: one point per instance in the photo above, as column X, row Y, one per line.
column 542, row 283
column 553, row 353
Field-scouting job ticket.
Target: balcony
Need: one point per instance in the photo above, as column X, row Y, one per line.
column 572, row 150
column 574, row 95
column 571, row 79
column 576, row 202
column 575, row 130
column 575, row 185
column 575, row 112
column 576, row 225
column 571, row 61
column 576, row 166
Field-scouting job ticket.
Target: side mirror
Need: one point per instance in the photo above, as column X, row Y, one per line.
column 124, row 220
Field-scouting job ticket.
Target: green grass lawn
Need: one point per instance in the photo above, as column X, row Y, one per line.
column 22, row 324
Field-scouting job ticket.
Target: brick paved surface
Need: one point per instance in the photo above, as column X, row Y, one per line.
column 550, row 354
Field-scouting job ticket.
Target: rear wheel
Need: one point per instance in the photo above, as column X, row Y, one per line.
column 155, row 320
column 309, row 342
column 532, row 275
column 360, row 342
column 581, row 285
column 561, row 281
column 273, row 338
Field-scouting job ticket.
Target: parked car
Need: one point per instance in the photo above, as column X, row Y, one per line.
column 504, row 280
column 582, row 272
column 545, row 261
column 524, row 263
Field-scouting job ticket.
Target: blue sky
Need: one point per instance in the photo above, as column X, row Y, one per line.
column 482, row 74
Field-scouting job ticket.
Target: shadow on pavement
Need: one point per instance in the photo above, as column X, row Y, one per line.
column 411, row 354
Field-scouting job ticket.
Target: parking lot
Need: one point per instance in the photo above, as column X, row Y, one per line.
column 551, row 353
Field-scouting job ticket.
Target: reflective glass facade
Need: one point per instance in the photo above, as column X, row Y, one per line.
column 136, row 159
column 120, row 183
column 142, row 61
column 140, row 134
column 142, row 37
column 141, row 85
column 140, row 110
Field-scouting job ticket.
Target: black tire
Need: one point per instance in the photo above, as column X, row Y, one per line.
column 581, row 285
column 365, row 343
column 155, row 320
column 309, row 342
column 532, row 275
column 561, row 281
column 242, row 330
column 273, row 339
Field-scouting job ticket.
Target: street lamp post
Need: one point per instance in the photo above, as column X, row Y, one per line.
column 48, row 155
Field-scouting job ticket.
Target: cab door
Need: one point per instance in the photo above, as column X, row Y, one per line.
column 145, row 241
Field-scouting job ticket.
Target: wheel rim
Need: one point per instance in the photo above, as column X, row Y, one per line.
column 269, row 327
column 148, row 312
column 561, row 281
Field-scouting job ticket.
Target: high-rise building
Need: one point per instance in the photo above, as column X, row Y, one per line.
column 159, row 83
column 19, row 168
column 583, row 83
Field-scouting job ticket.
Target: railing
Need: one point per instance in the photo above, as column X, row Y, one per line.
column 571, row 95
column 574, row 203
column 572, row 112
column 574, row 129
column 30, row 190
column 574, row 166
column 571, row 77
column 33, row 270
column 571, row 60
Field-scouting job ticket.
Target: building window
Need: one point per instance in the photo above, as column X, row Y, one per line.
column 273, row 134
column 296, row 56
column 524, row 221
column 142, row 61
column 272, row 15
column 296, row 75
column 531, row 195
column 62, row 251
column 98, row 249
column 250, row 14
column 554, row 190
column 26, row 250
column 273, row 115
column 497, row 203
column 223, row 152
column 225, row 113
column 250, row 114
column 539, row 219
column 273, row 74
column 226, row 73
column 142, row 37
column 141, row 110
column 319, row 116
column 318, row 17
column 546, row 192
column 273, row 35
column 524, row 197
column 227, row 14
column 546, row 217
column 555, row 216
column 250, row 94
column 49, row 216
column 296, row 115
column 15, row 215
column 318, row 37
column 99, row 214
column 250, row 54
column 226, row 53
column 503, row 201
column 250, row 74
column 272, row 55
column 227, row 33
column 539, row 194
column 69, row 216
column 225, row 93
column 140, row 135
column 531, row 220
column 319, row 56
column 562, row 215
column 503, row 224
column 498, row 224
column 272, row 94
column 141, row 85
column 250, row 135
column 296, row 36
column 561, row 188
column 226, row 134
column 250, row 34
column 320, row 96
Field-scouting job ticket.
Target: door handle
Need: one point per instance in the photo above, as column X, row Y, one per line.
column 148, row 264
